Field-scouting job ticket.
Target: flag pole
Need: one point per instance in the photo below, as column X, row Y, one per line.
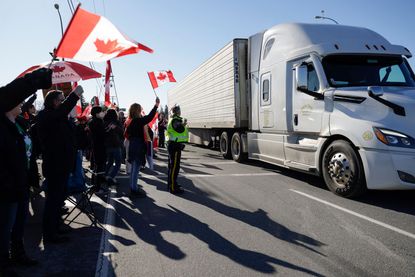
column 53, row 58
column 152, row 85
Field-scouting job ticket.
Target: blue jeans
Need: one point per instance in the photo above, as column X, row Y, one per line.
column 113, row 155
column 135, row 170
column 8, row 215
column 76, row 180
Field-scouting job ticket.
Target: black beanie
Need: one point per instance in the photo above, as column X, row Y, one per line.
column 96, row 110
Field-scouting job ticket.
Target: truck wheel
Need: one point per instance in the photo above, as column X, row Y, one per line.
column 342, row 170
column 224, row 145
column 236, row 148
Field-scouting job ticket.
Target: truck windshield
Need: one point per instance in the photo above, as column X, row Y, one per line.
column 353, row 71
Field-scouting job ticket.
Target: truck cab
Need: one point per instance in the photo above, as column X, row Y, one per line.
column 335, row 101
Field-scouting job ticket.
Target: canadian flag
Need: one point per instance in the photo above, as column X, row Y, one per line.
column 157, row 78
column 107, row 85
column 90, row 37
column 87, row 111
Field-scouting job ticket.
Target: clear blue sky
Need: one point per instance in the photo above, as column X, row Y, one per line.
column 183, row 33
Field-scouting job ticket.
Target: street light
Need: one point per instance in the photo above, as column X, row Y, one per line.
column 60, row 17
column 325, row 17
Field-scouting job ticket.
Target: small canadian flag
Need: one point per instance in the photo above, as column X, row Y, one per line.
column 157, row 78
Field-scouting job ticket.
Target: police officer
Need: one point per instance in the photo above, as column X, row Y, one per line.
column 176, row 135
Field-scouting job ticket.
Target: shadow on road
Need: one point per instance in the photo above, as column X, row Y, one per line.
column 400, row 201
column 258, row 219
column 153, row 220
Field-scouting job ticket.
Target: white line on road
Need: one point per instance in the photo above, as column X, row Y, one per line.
column 387, row 226
column 207, row 163
column 159, row 175
column 104, row 256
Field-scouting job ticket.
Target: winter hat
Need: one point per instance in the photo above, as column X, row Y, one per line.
column 96, row 110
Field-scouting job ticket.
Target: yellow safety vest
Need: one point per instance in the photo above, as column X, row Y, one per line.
column 173, row 135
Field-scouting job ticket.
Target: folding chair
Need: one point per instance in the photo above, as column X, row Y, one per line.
column 80, row 197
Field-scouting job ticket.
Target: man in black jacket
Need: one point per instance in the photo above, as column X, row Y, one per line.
column 56, row 136
column 97, row 131
column 14, row 191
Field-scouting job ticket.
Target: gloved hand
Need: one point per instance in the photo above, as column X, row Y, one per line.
column 157, row 101
column 78, row 91
column 40, row 78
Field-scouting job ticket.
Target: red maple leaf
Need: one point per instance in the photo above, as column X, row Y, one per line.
column 108, row 47
column 58, row 68
column 161, row 76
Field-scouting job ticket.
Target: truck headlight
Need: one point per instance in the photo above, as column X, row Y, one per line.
column 394, row 138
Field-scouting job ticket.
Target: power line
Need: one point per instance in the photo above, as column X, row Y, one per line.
column 73, row 6
column 103, row 5
column 70, row 7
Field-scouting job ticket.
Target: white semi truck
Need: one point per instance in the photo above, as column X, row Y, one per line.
column 331, row 100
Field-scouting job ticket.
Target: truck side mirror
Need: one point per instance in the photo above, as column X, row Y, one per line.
column 375, row 90
column 301, row 74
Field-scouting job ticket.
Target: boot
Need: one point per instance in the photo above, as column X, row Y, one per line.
column 8, row 272
column 177, row 190
column 18, row 255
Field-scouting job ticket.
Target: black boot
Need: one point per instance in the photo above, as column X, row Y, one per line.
column 18, row 255
column 8, row 272
column 177, row 189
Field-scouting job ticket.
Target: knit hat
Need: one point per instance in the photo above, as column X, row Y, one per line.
column 96, row 110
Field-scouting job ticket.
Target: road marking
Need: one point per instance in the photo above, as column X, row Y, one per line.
column 163, row 175
column 104, row 254
column 387, row 226
column 229, row 175
column 208, row 163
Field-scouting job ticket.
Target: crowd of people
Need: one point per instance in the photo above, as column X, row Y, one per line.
column 62, row 141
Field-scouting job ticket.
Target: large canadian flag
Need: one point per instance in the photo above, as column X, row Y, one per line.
column 157, row 78
column 90, row 37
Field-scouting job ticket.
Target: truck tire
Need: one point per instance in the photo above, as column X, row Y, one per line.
column 225, row 145
column 343, row 170
column 236, row 148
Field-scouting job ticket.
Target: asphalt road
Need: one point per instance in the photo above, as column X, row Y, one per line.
column 252, row 219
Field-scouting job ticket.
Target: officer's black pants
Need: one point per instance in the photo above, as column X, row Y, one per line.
column 175, row 153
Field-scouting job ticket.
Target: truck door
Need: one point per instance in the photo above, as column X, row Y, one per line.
column 307, row 110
